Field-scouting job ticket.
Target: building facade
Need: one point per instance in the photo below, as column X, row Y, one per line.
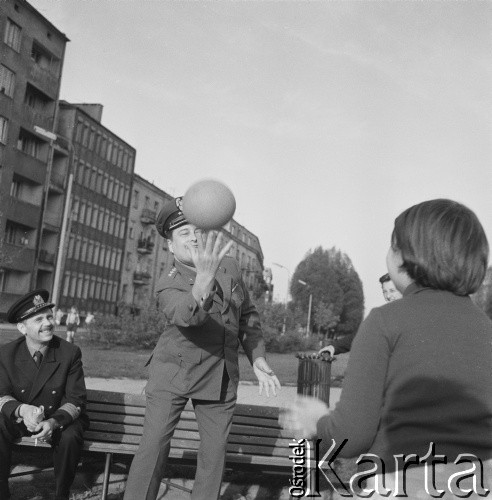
column 247, row 251
column 97, row 218
column 33, row 165
column 146, row 253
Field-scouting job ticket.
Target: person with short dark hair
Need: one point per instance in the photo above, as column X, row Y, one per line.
column 419, row 370
column 390, row 292
column 42, row 391
column 209, row 314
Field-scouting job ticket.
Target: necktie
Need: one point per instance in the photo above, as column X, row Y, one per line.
column 219, row 291
column 38, row 357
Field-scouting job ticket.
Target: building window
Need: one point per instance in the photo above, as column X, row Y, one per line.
column 130, row 232
column 28, row 144
column 15, row 189
column 122, row 227
column 4, row 129
column 10, row 233
column 66, row 284
column 43, row 58
column 7, row 81
column 135, row 198
column 109, row 150
column 116, row 190
column 12, row 35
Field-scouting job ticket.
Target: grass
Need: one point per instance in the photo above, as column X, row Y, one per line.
column 123, row 362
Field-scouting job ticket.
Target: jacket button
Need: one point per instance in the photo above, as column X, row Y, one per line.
column 23, row 390
column 49, row 407
column 179, row 355
column 190, row 307
column 53, row 392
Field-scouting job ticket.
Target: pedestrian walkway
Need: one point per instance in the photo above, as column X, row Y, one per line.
column 247, row 391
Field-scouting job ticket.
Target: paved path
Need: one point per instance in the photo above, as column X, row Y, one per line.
column 247, row 393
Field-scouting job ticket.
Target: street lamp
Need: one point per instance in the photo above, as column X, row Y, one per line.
column 286, row 294
column 309, row 307
column 51, row 137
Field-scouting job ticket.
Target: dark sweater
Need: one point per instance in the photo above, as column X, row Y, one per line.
column 419, row 372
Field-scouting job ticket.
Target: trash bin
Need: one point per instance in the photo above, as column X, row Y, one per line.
column 314, row 375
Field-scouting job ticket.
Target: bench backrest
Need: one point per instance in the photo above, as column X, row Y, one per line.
column 256, row 437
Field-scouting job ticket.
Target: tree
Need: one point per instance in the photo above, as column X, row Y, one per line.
column 336, row 289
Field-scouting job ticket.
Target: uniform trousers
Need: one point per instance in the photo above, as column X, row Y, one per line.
column 162, row 413
column 66, row 445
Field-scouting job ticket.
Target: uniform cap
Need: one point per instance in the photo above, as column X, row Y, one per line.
column 29, row 305
column 170, row 217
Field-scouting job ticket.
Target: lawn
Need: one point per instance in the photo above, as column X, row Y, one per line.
column 123, row 362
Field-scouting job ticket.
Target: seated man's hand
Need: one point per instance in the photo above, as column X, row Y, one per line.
column 266, row 378
column 45, row 430
column 30, row 416
column 302, row 417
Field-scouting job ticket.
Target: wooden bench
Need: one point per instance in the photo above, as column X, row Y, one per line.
column 256, row 439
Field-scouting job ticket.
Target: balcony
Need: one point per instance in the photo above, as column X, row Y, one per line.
column 20, row 258
column 29, row 167
column 46, row 81
column 141, row 278
column 57, row 180
column 53, row 218
column 148, row 216
column 22, row 212
column 32, row 117
column 46, row 257
column 145, row 246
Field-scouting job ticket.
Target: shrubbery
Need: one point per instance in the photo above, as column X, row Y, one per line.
column 143, row 330
column 137, row 331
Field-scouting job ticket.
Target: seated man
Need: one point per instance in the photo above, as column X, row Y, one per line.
column 42, row 391
column 343, row 344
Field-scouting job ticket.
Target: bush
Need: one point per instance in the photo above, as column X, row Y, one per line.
column 143, row 330
column 290, row 342
column 138, row 331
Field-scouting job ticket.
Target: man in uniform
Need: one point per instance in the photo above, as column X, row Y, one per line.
column 42, row 391
column 209, row 313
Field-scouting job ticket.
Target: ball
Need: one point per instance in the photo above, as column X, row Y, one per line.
column 208, row 204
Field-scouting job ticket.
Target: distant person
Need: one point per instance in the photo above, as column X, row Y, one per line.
column 73, row 322
column 59, row 316
column 89, row 319
column 42, row 391
column 418, row 379
column 209, row 315
column 390, row 292
column 343, row 344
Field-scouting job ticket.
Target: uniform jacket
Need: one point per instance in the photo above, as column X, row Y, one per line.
column 190, row 355
column 59, row 380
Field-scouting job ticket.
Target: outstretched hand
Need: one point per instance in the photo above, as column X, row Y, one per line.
column 209, row 252
column 303, row 415
column 267, row 380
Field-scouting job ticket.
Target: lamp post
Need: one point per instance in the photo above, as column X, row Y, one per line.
column 44, row 201
column 308, row 326
column 286, row 294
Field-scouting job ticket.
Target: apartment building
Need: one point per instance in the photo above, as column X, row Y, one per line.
column 247, row 251
column 33, row 165
column 100, row 185
column 146, row 252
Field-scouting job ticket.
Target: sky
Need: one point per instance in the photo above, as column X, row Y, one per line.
column 325, row 118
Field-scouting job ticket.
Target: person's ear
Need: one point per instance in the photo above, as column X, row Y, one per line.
column 22, row 328
column 170, row 245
